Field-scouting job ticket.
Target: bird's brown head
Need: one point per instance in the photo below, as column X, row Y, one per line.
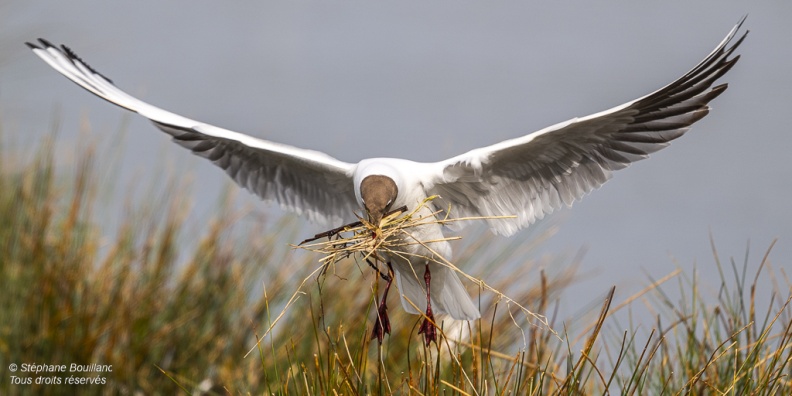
column 378, row 193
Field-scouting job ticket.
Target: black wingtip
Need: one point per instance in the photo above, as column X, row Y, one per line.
column 717, row 90
column 45, row 43
column 68, row 51
column 71, row 55
column 720, row 87
column 737, row 28
column 74, row 58
column 739, row 41
column 744, row 17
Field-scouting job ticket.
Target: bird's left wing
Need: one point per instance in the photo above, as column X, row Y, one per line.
column 305, row 181
column 535, row 174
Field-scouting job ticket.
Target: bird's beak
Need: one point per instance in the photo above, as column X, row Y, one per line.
column 374, row 217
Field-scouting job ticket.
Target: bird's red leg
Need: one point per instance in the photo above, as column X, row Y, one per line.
column 427, row 327
column 382, row 323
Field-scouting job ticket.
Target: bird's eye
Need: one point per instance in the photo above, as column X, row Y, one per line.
column 390, row 201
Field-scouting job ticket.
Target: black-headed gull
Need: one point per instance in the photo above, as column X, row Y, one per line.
column 526, row 177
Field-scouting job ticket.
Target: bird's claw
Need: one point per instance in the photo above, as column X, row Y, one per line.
column 428, row 328
column 382, row 323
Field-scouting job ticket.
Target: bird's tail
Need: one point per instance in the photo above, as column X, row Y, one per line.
column 447, row 293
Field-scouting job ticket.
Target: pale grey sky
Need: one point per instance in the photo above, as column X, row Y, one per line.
column 429, row 80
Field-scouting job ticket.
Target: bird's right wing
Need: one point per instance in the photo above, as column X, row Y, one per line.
column 305, row 181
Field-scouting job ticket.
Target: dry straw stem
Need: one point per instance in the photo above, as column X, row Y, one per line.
column 629, row 301
column 365, row 240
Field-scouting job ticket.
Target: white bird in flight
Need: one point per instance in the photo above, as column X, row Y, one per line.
column 526, row 177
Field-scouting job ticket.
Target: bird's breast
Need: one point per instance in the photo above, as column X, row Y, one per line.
column 425, row 239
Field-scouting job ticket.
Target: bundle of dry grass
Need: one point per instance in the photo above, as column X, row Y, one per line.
column 364, row 239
